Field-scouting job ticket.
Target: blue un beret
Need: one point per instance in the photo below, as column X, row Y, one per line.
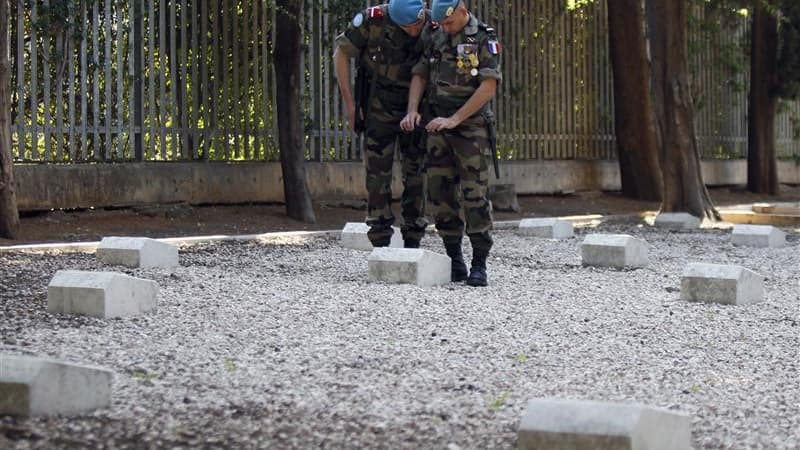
column 441, row 9
column 405, row 12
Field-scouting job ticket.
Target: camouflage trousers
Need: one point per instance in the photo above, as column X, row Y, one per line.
column 383, row 135
column 458, row 176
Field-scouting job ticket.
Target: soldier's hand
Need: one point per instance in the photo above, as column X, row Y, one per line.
column 410, row 121
column 441, row 123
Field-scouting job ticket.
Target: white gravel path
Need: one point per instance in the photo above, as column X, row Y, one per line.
column 284, row 344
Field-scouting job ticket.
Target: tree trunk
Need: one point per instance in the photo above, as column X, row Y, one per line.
column 762, row 173
column 290, row 132
column 9, row 216
column 683, row 189
column 635, row 125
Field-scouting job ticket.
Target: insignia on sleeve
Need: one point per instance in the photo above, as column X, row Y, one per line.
column 358, row 20
column 494, row 47
column 375, row 12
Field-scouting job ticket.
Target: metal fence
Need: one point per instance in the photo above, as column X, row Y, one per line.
column 177, row 80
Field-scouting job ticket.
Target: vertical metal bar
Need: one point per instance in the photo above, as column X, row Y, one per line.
column 310, row 60
column 225, row 80
column 235, row 98
column 257, row 112
column 162, row 80
column 119, row 40
column 107, row 86
column 132, row 76
column 70, row 55
column 151, row 74
column 194, row 113
column 20, row 61
column 183, row 131
column 46, row 125
column 58, row 102
column 244, row 93
column 84, row 80
column 207, row 90
column 272, row 90
column 97, row 149
column 174, row 89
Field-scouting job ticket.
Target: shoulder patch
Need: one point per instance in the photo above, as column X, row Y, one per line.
column 494, row 47
column 375, row 13
column 358, row 20
column 489, row 30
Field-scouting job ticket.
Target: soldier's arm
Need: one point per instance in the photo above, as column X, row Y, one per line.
column 341, row 64
column 349, row 44
column 480, row 97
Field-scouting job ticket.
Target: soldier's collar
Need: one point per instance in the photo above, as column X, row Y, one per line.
column 472, row 25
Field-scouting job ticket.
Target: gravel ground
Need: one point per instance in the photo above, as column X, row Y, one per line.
column 284, row 344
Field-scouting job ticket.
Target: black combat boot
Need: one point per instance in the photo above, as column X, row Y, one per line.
column 381, row 242
column 411, row 243
column 477, row 274
column 458, row 269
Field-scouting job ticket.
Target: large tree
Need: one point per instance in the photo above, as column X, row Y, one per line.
column 683, row 186
column 762, row 172
column 9, row 216
column 774, row 74
column 634, row 120
column 287, row 58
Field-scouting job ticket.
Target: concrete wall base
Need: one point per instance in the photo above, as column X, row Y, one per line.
column 46, row 186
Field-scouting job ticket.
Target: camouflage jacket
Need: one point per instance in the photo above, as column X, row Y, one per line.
column 455, row 65
column 382, row 46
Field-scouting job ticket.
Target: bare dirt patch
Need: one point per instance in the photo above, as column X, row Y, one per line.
column 184, row 220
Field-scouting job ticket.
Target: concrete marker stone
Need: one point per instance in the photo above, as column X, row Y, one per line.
column 137, row 252
column 549, row 227
column 719, row 283
column 677, row 221
column 354, row 236
column 409, row 266
column 560, row 424
column 100, row 294
column 613, row 250
column 32, row 386
column 758, row 236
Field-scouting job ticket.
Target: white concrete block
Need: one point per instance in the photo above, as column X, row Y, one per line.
column 137, row 252
column 100, row 294
column 558, row 424
column 758, row 236
column 354, row 236
column 31, row 386
column 409, row 266
column 546, row 227
column 613, row 250
column 677, row 221
column 717, row 283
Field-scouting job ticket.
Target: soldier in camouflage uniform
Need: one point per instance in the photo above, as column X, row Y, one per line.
column 460, row 69
column 385, row 40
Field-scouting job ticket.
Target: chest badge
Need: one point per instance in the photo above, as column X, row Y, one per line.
column 358, row 20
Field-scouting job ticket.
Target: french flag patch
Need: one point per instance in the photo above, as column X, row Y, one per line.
column 375, row 12
column 494, row 47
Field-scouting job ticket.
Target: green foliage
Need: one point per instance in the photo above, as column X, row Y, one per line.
column 143, row 375
column 230, row 364
column 577, row 4
column 497, row 403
